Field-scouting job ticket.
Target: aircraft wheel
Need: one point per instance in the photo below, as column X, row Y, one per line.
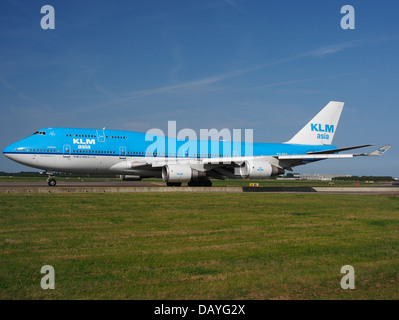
column 173, row 184
column 52, row 182
column 193, row 183
column 205, row 183
column 200, row 183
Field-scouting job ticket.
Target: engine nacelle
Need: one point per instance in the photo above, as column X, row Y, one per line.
column 180, row 173
column 258, row 169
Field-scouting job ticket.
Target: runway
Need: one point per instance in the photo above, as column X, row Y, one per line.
column 80, row 184
column 145, row 186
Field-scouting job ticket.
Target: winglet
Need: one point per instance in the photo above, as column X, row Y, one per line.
column 380, row 151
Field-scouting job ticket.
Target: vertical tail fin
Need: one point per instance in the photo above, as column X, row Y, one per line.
column 321, row 129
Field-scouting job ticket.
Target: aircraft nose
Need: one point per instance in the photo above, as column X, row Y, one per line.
column 7, row 151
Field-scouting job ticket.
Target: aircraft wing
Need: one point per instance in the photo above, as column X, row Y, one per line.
column 315, row 156
column 290, row 161
column 340, row 149
column 160, row 162
column 327, row 155
column 225, row 165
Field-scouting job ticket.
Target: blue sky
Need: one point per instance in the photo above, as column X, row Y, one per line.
column 264, row 65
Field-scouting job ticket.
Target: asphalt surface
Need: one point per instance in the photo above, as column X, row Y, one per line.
column 146, row 186
column 82, row 184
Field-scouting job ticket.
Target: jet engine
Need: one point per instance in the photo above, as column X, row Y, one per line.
column 258, row 169
column 180, row 173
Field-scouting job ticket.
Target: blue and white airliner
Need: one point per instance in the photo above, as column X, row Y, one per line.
column 126, row 153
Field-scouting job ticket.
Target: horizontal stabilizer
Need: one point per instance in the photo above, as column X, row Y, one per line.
column 377, row 152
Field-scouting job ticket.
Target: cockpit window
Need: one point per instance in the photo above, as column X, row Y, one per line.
column 43, row 133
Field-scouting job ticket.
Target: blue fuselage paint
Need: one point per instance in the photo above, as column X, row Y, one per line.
column 70, row 142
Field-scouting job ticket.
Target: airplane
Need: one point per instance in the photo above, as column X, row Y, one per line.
column 127, row 153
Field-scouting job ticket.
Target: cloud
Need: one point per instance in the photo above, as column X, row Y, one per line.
column 327, row 50
column 15, row 90
column 234, row 4
column 200, row 84
column 331, row 49
column 321, row 52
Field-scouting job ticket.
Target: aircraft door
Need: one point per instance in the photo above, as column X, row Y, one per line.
column 67, row 151
column 100, row 136
column 122, row 152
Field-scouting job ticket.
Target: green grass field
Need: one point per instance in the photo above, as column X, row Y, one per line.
column 199, row 246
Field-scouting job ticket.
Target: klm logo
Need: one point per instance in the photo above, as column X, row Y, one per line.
column 81, row 141
column 319, row 128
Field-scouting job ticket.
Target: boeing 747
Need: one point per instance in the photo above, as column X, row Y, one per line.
column 176, row 161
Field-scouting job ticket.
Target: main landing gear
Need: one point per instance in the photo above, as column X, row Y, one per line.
column 192, row 183
column 51, row 181
column 200, row 183
column 173, row 184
